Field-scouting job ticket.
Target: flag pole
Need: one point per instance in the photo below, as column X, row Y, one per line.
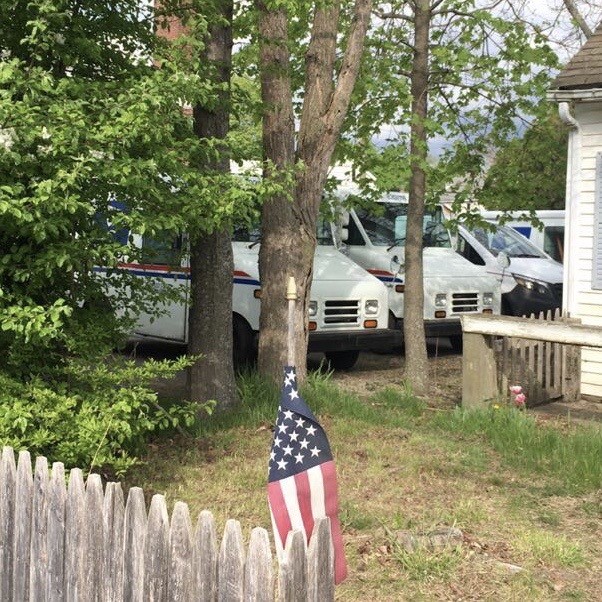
column 291, row 295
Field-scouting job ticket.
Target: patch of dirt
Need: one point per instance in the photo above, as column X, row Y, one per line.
column 375, row 371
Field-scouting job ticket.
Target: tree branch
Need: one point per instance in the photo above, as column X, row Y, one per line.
column 578, row 17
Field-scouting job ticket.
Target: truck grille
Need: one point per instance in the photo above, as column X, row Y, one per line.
column 465, row 302
column 341, row 312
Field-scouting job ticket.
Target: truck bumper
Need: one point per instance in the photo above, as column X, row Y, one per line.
column 436, row 328
column 523, row 302
column 365, row 340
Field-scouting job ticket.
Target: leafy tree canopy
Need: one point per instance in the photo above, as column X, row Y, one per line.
column 529, row 173
column 488, row 71
column 91, row 111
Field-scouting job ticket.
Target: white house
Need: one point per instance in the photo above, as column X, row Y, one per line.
column 578, row 92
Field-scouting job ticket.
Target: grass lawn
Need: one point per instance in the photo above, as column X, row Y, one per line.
column 523, row 493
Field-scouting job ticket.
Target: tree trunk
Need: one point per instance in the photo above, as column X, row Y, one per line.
column 211, row 262
column 278, row 256
column 289, row 220
column 413, row 323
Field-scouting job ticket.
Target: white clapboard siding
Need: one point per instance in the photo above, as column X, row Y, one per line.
column 85, row 542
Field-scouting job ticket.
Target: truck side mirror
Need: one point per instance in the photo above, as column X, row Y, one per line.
column 343, row 226
column 503, row 260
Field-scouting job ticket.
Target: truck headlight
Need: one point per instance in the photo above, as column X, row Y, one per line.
column 312, row 308
column 440, row 300
column 487, row 298
column 371, row 307
column 533, row 285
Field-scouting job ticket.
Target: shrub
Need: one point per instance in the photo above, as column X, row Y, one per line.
column 96, row 417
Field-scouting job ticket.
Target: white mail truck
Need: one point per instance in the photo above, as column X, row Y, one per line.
column 348, row 310
column 547, row 236
column 453, row 287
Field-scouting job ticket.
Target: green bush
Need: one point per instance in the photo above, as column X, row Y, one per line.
column 96, row 417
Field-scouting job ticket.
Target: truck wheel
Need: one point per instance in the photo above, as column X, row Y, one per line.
column 342, row 360
column 456, row 343
column 244, row 353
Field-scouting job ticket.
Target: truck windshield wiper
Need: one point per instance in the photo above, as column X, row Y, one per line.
column 525, row 255
column 397, row 242
column 254, row 243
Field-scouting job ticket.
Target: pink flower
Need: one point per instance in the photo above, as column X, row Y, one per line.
column 520, row 400
column 516, row 389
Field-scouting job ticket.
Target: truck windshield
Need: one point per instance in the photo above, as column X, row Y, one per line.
column 508, row 240
column 389, row 228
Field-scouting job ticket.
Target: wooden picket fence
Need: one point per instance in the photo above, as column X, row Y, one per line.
column 543, row 356
column 546, row 370
column 82, row 543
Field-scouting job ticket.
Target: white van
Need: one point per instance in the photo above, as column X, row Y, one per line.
column 348, row 311
column 548, row 238
column 452, row 285
column 531, row 281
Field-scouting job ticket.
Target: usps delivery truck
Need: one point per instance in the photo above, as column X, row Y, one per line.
column 549, row 237
column 348, row 308
column 531, row 281
column 452, row 285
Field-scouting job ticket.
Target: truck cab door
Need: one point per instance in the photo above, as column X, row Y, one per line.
column 165, row 262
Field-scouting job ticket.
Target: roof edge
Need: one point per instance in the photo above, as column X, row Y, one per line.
column 584, row 95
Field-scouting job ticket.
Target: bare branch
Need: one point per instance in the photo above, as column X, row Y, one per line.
column 578, row 17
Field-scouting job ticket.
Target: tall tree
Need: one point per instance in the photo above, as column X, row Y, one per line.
column 462, row 72
column 297, row 165
column 84, row 119
column 413, row 329
column 211, row 260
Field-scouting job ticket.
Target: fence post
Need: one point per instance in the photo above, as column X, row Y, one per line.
column 39, row 530
column 75, row 538
column 94, row 500
column 113, row 523
column 259, row 581
column 156, row 550
column 56, row 534
column 479, row 370
column 293, row 569
column 205, row 557
column 134, row 540
column 8, row 479
column 23, row 509
column 181, row 581
column 230, row 573
column 320, row 563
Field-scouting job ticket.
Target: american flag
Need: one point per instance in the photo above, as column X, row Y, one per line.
column 302, row 483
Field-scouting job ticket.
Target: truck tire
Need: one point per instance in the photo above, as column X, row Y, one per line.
column 342, row 360
column 457, row 343
column 244, row 353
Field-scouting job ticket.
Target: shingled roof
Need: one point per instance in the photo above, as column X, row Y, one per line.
column 584, row 70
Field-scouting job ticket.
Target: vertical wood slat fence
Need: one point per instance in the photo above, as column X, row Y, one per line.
column 546, row 370
column 481, row 378
column 83, row 543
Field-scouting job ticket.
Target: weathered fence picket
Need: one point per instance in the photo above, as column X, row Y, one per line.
column 8, row 477
column 82, row 542
column 39, row 531
column 57, row 496
column 22, row 533
column 75, row 532
column 113, row 534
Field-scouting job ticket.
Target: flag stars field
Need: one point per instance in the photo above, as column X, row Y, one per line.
column 304, row 487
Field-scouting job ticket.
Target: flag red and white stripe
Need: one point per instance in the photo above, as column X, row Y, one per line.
column 302, row 483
